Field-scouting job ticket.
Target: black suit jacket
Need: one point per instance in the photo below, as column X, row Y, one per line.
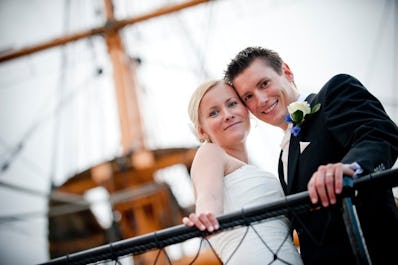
column 351, row 126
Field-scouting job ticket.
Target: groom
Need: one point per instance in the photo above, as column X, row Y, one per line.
column 345, row 132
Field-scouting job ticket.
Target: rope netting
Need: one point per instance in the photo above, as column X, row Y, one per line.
column 246, row 220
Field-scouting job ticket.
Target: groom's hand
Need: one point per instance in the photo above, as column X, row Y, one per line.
column 327, row 182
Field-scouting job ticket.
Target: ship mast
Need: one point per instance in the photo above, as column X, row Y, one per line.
column 132, row 135
column 131, row 126
column 132, row 143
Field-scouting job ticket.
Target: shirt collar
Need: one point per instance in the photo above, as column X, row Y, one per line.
column 302, row 97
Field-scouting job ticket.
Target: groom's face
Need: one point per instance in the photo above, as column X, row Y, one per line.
column 265, row 92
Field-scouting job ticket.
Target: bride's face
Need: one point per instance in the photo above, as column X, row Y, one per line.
column 224, row 119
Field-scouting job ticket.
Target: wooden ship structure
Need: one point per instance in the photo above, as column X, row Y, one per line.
column 140, row 205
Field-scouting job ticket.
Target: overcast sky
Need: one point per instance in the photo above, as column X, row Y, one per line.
column 58, row 115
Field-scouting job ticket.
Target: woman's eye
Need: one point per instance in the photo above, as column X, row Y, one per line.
column 213, row 113
column 232, row 103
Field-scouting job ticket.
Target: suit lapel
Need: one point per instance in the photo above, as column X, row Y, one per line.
column 294, row 152
column 281, row 174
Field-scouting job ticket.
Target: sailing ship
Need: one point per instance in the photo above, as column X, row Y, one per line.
column 139, row 203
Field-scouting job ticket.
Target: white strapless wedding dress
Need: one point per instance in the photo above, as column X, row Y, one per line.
column 246, row 187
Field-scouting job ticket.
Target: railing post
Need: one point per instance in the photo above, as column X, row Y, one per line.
column 353, row 225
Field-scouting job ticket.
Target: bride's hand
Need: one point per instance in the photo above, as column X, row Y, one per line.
column 202, row 221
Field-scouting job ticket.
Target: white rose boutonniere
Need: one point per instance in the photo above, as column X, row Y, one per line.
column 298, row 112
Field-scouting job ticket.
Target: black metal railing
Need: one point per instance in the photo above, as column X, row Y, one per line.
column 299, row 202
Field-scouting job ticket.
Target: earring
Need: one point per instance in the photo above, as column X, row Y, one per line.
column 204, row 140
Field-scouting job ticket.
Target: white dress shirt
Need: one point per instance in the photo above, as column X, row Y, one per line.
column 285, row 141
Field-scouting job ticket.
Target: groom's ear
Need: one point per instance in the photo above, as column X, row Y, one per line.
column 287, row 72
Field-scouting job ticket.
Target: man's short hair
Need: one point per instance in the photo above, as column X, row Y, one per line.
column 245, row 57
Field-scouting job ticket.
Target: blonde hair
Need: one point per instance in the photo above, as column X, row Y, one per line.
column 196, row 98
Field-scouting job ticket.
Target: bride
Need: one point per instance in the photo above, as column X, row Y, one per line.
column 224, row 181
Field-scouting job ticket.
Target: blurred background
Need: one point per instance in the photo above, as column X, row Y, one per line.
column 94, row 96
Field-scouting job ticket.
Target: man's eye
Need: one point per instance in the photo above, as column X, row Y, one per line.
column 264, row 84
column 246, row 98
